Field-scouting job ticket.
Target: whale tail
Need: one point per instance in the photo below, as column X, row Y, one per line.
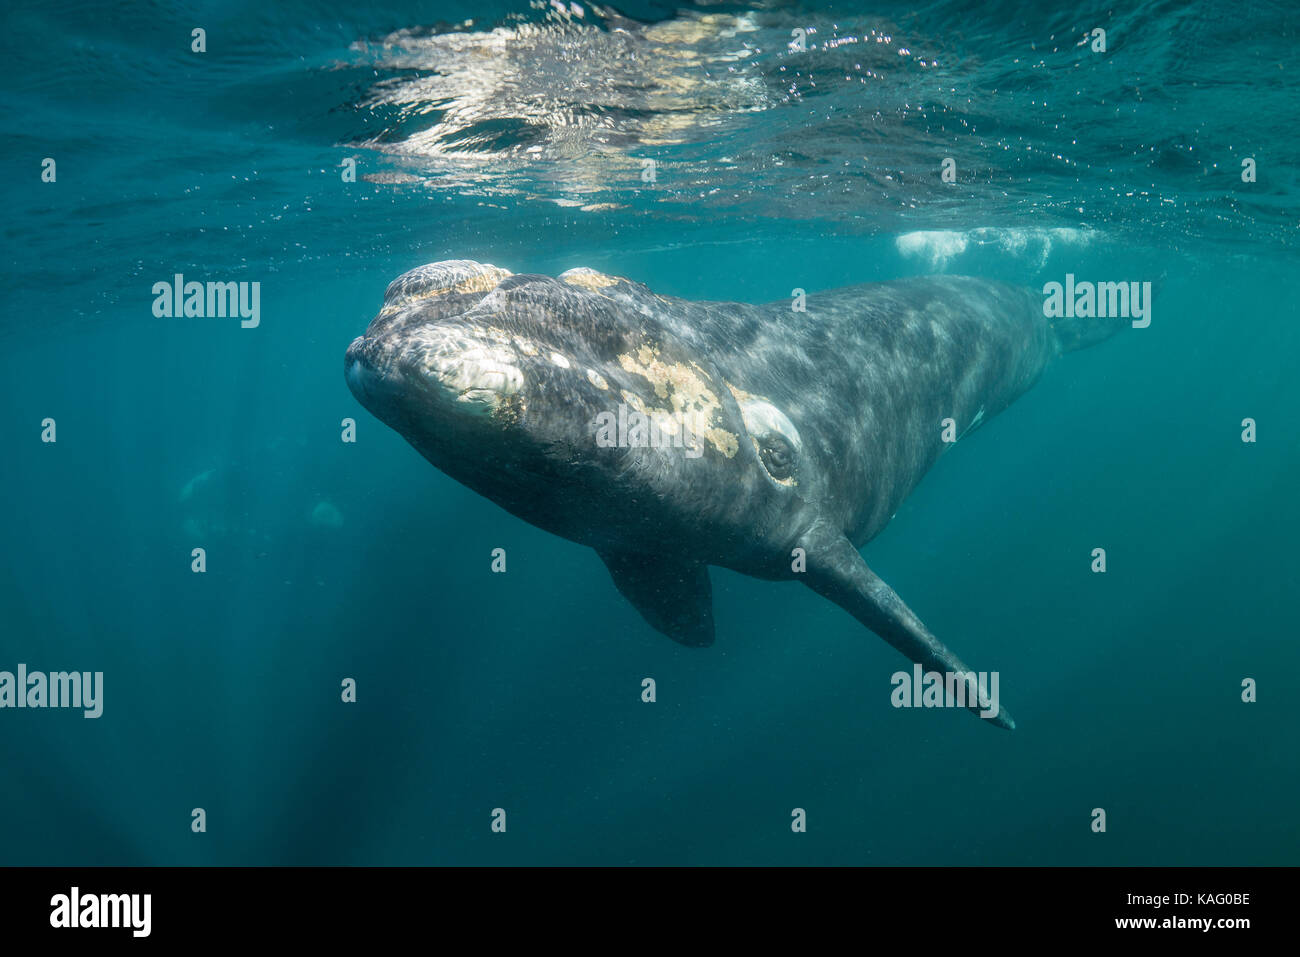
column 837, row 571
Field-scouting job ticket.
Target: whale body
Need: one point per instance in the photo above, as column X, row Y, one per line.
column 671, row 435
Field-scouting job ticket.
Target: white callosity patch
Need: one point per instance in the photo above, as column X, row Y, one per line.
column 687, row 393
column 471, row 371
column 439, row 279
column 480, row 400
column 762, row 418
column 588, row 278
column 598, row 380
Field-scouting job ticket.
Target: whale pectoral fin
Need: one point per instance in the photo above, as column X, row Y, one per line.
column 675, row 597
column 836, row 571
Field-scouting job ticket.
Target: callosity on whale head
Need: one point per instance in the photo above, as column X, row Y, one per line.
column 572, row 403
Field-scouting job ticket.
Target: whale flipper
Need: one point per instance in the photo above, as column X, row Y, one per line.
column 675, row 597
column 837, row 571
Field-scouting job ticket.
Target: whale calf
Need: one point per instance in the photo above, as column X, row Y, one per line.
column 779, row 431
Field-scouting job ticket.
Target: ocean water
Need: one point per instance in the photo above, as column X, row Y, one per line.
column 793, row 146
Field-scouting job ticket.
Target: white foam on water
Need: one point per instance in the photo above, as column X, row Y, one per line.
column 939, row 247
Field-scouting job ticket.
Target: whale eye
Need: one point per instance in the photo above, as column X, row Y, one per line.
column 776, row 454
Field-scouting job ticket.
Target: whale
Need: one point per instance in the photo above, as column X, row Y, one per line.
column 671, row 435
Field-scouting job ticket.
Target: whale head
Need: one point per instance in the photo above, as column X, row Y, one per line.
column 576, row 402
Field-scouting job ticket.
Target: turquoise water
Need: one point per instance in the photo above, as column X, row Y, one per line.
column 520, row 138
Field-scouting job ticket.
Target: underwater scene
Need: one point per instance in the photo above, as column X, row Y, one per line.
column 551, row 433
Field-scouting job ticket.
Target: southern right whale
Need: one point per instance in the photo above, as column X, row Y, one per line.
column 793, row 430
